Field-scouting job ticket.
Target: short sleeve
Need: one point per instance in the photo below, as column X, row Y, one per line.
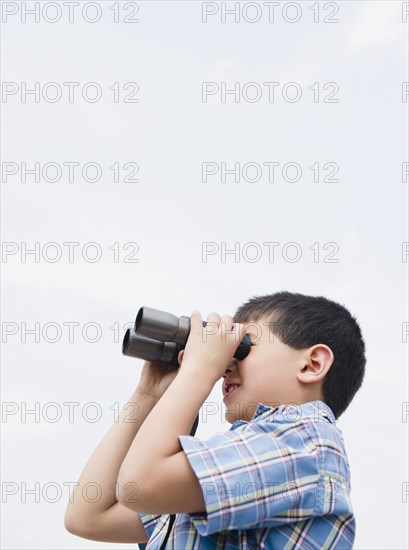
column 149, row 522
column 252, row 477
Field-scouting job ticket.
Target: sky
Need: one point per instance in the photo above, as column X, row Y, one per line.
column 178, row 156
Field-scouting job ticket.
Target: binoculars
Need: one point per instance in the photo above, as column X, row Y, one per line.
column 159, row 336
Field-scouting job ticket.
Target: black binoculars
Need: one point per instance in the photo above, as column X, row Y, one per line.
column 159, row 336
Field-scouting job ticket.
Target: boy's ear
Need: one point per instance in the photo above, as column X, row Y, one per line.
column 180, row 356
column 317, row 364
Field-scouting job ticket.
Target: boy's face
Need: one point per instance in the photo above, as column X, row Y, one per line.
column 267, row 375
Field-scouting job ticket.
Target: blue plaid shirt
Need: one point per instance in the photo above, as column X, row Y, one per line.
column 278, row 482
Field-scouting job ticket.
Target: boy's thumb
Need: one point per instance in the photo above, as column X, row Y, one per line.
column 180, row 356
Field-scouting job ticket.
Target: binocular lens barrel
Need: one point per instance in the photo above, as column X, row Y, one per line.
column 134, row 345
column 161, row 325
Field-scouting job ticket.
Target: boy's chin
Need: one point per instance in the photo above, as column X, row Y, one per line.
column 230, row 419
column 231, row 414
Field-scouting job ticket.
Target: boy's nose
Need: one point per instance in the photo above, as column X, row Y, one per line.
column 231, row 366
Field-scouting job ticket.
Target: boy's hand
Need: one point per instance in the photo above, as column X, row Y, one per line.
column 156, row 378
column 210, row 349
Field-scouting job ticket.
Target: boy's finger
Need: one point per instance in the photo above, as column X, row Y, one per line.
column 196, row 321
column 238, row 328
column 227, row 322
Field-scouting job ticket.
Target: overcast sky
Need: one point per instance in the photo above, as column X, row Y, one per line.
column 195, row 158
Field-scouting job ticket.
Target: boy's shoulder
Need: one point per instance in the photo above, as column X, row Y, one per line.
column 300, row 431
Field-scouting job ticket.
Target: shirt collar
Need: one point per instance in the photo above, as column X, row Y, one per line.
column 318, row 410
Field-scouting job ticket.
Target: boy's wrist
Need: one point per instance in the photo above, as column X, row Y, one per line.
column 140, row 395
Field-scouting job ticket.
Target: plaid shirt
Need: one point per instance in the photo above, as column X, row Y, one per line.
column 278, row 482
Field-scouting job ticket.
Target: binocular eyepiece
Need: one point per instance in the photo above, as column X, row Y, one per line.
column 159, row 336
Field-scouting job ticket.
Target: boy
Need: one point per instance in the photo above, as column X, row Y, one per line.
column 279, row 478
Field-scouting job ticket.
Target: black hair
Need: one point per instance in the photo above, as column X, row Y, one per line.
column 302, row 321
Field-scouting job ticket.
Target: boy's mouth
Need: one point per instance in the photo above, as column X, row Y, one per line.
column 229, row 387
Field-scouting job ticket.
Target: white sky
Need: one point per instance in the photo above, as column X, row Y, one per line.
column 170, row 212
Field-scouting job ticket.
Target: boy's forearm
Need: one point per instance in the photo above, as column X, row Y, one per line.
column 173, row 415
column 102, row 468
